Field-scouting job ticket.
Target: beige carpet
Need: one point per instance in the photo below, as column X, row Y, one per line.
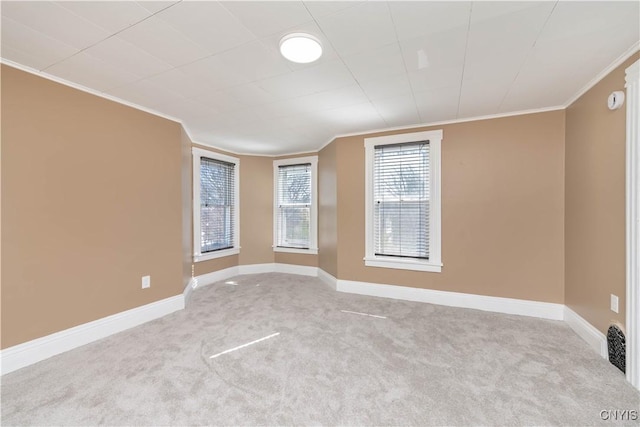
column 421, row 365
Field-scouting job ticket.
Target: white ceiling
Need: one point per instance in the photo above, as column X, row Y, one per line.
column 216, row 67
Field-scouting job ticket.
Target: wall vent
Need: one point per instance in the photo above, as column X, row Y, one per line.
column 616, row 344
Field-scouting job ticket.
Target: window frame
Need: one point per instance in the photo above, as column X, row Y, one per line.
column 313, row 224
column 198, row 154
column 434, row 263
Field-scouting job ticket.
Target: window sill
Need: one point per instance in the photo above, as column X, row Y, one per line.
column 216, row 254
column 402, row 264
column 296, row 250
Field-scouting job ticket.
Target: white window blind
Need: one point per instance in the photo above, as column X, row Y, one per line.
column 217, row 205
column 401, row 200
column 293, row 213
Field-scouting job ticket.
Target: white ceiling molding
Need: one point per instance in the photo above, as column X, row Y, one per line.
column 602, row 74
column 86, row 89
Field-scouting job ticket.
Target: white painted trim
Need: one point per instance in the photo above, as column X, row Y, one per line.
column 444, row 122
column 85, row 89
column 34, row 351
column 328, row 279
column 257, row 268
column 633, row 225
column 188, row 290
column 594, row 338
column 313, row 226
column 310, row 251
column 604, row 73
column 434, row 264
column 198, row 154
column 544, row 310
column 301, row 270
column 215, row 276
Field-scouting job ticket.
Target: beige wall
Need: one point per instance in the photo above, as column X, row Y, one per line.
column 94, row 190
column 502, row 210
column 256, row 218
column 256, row 210
column 595, row 203
column 328, row 210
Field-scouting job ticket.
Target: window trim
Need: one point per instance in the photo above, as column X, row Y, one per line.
column 198, row 153
column 434, row 264
column 313, row 225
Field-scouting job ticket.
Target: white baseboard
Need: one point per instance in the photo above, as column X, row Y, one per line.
column 257, row 268
column 189, row 289
column 301, row 270
column 328, row 279
column 31, row 352
column 544, row 310
column 596, row 339
column 216, row 276
column 34, row 351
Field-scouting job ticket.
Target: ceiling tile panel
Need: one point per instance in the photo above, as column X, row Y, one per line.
column 488, row 42
column 146, row 94
column 54, row 21
column 325, row 76
column 414, row 19
column 208, row 24
column 359, row 28
column 264, row 18
column 156, row 6
column 386, row 86
column 88, row 71
column 111, row 16
column 30, row 47
column 437, row 104
column 127, row 56
column 318, row 9
column 442, row 49
column 247, row 63
column 398, row 110
column 376, row 63
column 163, row 41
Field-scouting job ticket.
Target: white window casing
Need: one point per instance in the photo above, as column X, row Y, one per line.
column 231, row 227
column 429, row 258
column 284, row 241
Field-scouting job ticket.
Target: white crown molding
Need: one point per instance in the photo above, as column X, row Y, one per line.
column 543, row 310
column 82, row 88
column 633, row 49
column 593, row 337
column 604, row 73
column 443, row 122
column 34, row 351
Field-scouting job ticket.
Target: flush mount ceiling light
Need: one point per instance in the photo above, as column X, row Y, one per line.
column 300, row 47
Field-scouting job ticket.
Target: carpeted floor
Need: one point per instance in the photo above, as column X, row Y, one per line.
column 421, row 365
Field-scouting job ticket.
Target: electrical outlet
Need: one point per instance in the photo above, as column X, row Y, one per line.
column 146, row 282
column 614, row 303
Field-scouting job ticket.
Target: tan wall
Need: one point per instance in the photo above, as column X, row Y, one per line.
column 595, row 203
column 256, row 210
column 502, row 210
column 327, row 210
column 94, row 190
column 256, row 215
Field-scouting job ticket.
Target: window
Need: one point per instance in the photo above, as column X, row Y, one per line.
column 403, row 201
column 295, row 205
column 215, row 205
